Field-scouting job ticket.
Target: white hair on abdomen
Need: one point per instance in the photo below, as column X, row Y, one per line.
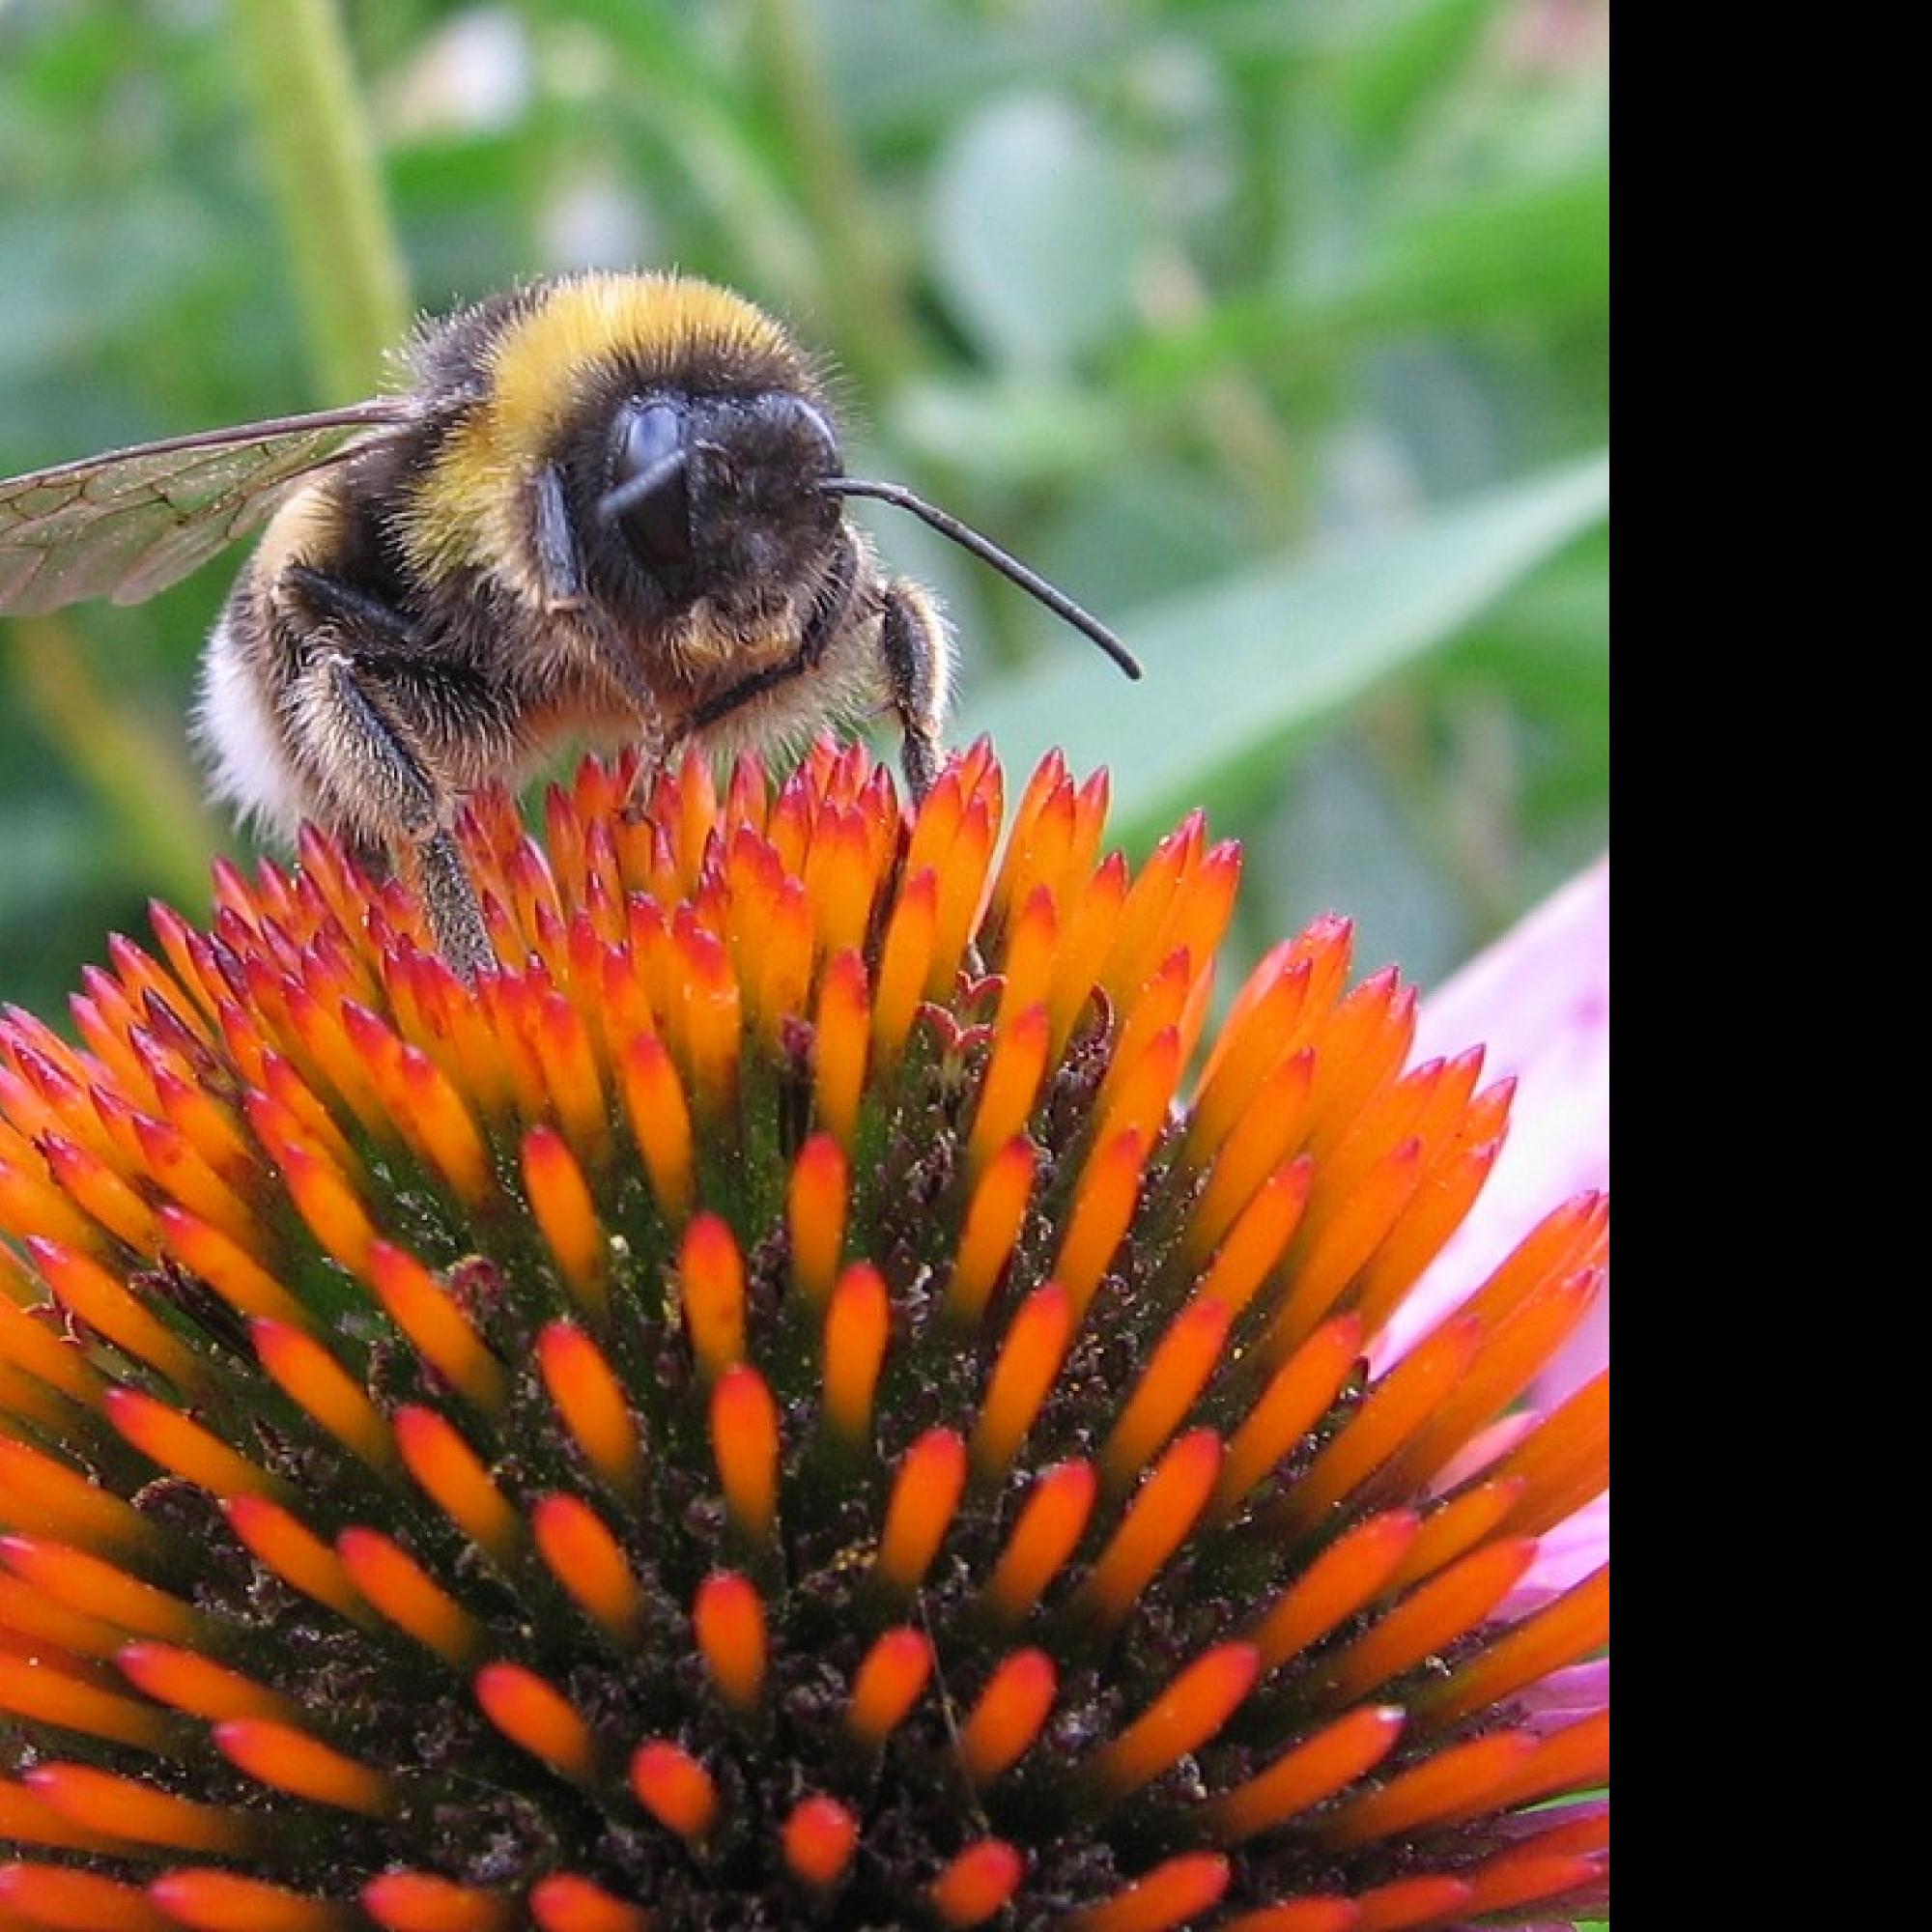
column 248, row 768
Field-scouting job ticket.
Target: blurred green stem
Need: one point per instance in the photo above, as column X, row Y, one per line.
column 863, row 296
column 143, row 777
column 321, row 154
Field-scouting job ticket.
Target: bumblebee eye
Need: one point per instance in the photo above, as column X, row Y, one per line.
column 649, row 492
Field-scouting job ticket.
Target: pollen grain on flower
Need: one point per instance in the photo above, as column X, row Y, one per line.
column 827, row 1389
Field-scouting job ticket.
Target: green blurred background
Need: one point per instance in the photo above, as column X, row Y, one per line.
column 1275, row 332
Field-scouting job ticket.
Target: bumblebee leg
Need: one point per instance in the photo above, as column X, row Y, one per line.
column 347, row 711
column 381, row 788
column 912, row 643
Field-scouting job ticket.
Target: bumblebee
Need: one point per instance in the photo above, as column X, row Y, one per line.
column 601, row 508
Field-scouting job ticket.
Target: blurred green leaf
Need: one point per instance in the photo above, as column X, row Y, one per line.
column 1236, row 674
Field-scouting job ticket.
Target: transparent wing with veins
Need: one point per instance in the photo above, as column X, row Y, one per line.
column 128, row 524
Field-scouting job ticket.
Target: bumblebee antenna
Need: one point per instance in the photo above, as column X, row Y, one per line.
column 988, row 551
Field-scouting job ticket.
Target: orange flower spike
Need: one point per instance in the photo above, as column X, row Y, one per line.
column 905, row 965
column 1456, row 1528
column 858, row 1325
column 235, row 1275
column 1564, row 1462
column 841, row 878
column 37, row 1630
column 887, row 1685
column 589, row 1400
column 963, row 889
column 438, row 1328
column 1263, row 1141
column 1103, row 1204
column 46, row 1497
column 675, row 1789
column 711, row 1023
column 1355, row 1569
column 1452, row 1780
column 1429, row 1104
column 97, row 1589
column 659, row 1120
column 1030, row 836
column 1177, row 1371
column 782, row 958
column 1563, row 1632
column 1046, row 1533
column 1030, row 1355
column 818, row 1839
column 1193, row 1707
column 1166, row 1898
column 1156, row 1013
column 1441, row 1202
column 564, row 1902
column 93, row 1296
column 189, row 1682
column 33, row 1895
column 728, row 1619
column 129, row 1808
column 1360, row 1053
column 926, row 1491
column 1031, row 944
column 292, row 1760
column 411, row 1901
column 98, row 1192
column 1140, row 937
column 1516, row 1348
column 1254, row 1245
column 507, row 1010
column 581, row 1553
column 995, row 1216
column 149, row 987
column 1274, row 1015
column 711, row 1285
column 744, row 1443
column 1572, row 1236
column 1091, row 920
column 574, row 1079
column 1393, row 1410
column 331, row 1064
column 28, row 1821
column 1333, row 1759
column 452, row 1475
column 818, row 1199
column 1161, row 1517
column 306, row 1370
column 1574, row 1758
column 537, row 1717
column 281, row 1542
column 212, row 1129
column 841, row 1046
column 38, row 1348
column 176, row 1442
column 691, row 823
column 1142, row 1079
column 28, row 1199
column 388, row 1578
column 1007, row 1716
column 322, row 1194
column 560, row 1197
column 427, row 1107
column 977, row 1882
column 33, row 1690
column 1337, row 1237
column 174, row 1165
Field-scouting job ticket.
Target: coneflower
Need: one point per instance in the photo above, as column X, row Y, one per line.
column 815, row 1396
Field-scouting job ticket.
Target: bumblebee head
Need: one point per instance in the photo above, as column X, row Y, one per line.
column 717, row 495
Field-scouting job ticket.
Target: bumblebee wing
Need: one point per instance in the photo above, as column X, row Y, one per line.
column 130, row 522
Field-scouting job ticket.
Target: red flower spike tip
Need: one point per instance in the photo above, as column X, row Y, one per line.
column 785, row 1399
column 819, row 1838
